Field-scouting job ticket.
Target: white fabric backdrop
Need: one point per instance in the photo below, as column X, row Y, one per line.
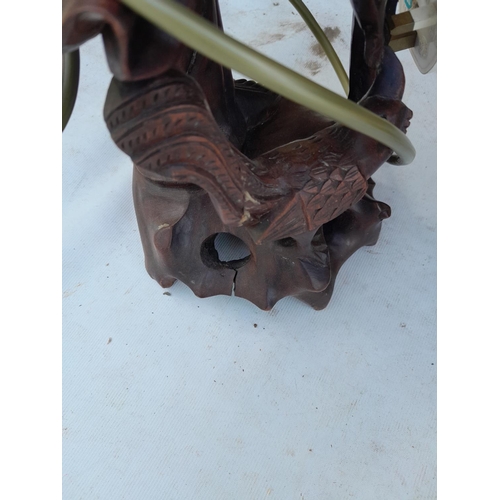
column 175, row 397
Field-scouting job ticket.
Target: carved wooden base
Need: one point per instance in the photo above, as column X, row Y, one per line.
column 184, row 239
column 225, row 166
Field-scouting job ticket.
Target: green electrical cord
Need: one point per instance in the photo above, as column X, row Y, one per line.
column 205, row 38
column 70, row 77
column 316, row 30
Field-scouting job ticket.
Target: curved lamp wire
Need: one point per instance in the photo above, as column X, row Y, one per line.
column 204, row 37
column 330, row 52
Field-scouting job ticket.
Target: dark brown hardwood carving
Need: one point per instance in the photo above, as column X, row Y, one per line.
column 213, row 157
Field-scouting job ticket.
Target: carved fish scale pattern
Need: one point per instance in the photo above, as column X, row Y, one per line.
column 168, row 131
column 325, row 201
column 324, row 174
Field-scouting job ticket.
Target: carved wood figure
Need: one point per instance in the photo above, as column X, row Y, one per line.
column 216, row 156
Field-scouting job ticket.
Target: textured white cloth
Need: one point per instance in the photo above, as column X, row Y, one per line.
column 175, row 397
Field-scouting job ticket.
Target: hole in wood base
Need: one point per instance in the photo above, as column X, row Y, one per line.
column 224, row 250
